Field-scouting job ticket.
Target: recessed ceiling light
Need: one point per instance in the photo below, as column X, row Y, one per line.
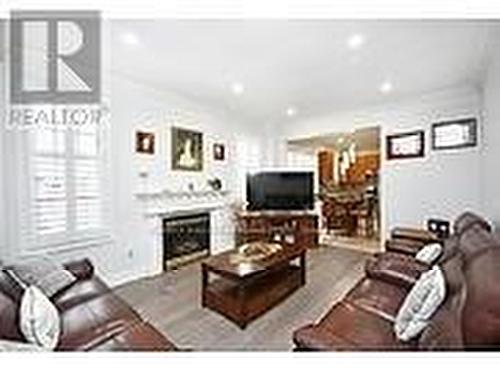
column 386, row 87
column 355, row 41
column 340, row 140
column 291, row 111
column 237, row 88
column 129, row 39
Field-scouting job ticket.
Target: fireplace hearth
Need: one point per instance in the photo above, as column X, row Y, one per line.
column 185, row 238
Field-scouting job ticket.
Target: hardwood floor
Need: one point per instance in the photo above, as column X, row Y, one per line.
column 171, row 302
column 368, row 245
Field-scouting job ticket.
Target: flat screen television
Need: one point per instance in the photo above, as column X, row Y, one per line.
column 280, row 191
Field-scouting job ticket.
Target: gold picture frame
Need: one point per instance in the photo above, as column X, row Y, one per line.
column 187, row 150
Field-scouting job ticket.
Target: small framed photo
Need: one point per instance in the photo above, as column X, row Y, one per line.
column 454, row 134
column 145, row 142
column 219, row 152
column 406, row 145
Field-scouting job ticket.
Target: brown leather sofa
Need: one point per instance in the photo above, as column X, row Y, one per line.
column 93, row 317
column 364, row 318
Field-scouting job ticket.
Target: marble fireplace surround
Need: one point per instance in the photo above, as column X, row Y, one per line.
column 156, row 206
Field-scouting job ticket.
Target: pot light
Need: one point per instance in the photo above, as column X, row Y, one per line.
column 386, row 87
column 291, row 111
column 237, row 88
column 129, row 39
column 355, row 41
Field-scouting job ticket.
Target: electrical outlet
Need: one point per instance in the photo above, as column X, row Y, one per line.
column 130, row 253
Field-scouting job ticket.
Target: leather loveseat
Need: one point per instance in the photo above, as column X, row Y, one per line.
column 92, row 316
column 469, row 317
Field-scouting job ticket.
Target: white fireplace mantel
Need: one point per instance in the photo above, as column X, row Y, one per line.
column 169, row 203
column 187, row 194
column 157, row 205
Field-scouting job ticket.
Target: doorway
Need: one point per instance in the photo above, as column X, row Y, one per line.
column 347, row 167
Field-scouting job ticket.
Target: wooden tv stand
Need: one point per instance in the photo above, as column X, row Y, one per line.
column 292, row 229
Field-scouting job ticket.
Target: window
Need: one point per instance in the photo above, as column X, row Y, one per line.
column 64, row 186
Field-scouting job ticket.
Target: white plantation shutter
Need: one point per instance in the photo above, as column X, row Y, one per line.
column 87, row 198
column 88, row 180
column 48, row 203
column 64, row 196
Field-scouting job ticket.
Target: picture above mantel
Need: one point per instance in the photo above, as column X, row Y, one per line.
column 187, row 150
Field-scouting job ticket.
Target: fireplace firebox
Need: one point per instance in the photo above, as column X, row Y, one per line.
column 185, row 238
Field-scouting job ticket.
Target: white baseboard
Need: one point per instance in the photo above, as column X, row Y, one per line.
column 116, row 279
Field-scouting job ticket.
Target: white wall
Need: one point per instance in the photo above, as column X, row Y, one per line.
column 491, row 139
column 129, row 253
column 443, row 184
column 3, row 103
column 3, row 216
column 131, row 250
column 134, row 107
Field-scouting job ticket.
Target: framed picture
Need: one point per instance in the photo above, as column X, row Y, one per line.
column 454, row 134
column 145, row 142
column 406, row 145
column 219, row 151
column 187, row 150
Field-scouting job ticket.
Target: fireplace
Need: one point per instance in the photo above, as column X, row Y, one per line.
column 185, row 238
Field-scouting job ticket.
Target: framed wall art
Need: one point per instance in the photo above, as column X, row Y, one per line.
column 187, row 150
column 219, row 151
column 454, row 134
column 406, row 145
column 145, row 142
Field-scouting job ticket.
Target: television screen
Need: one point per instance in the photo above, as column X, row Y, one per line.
column 280, row 191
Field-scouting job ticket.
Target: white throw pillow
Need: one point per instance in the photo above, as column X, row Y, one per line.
column 39, row 319
column 420, row 304
column 429, row 253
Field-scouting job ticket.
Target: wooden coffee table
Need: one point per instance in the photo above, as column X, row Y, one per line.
column 244, row 291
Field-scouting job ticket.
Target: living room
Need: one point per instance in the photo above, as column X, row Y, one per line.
column 187, row 200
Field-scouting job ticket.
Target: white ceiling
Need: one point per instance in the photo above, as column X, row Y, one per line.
column 304, row 64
